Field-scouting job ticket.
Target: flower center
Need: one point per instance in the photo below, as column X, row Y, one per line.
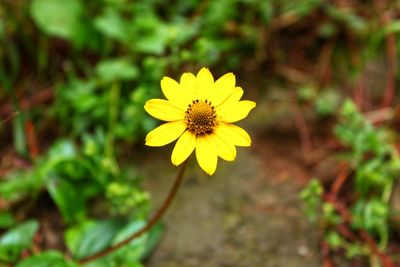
column 200, row 117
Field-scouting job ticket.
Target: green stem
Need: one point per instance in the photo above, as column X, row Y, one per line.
column 156, row 217
column 42, row 53
column 112, row 121
column 18, row 121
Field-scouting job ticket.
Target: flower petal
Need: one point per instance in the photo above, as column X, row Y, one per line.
column 174, row 92
column 222, row 89
column 235, row 96
column 232, row 112
column 188, row 83
column 183, row 148
column 234, row 134
column 165, row 133
column 225, row 149
column 164, row 110
column 205, row 154
column 205, row 81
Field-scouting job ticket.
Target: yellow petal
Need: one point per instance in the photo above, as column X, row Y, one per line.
column 183, row 148
column 174, row 92
column 233, row 134
column 205, row 154
column 188, row 83
column 164, row 110
column 204, row 76
column 165, row 133
column 222, row 89
column 225, row 149
column 232, row 112
column 205, row 81
column 235, row 96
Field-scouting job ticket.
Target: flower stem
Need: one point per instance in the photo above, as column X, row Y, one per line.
column 156, row 217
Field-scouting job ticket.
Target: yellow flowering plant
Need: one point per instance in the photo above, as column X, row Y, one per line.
column 199, row 112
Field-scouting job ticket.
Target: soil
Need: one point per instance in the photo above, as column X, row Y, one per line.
column 248, row 214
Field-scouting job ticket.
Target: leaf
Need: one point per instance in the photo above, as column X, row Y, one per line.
column 47, row 259
column 6, row 219
column 266, row 11
column 149, row 34
column 59, row 18
column 68, row 199
column 62, row 150
column 327, row 102
column 128, row 230
column 14, row 241
column 116, row 69
column 334, row 239
column 112, row 24
column 91, row 237
column 17, row 184
column 153, row 239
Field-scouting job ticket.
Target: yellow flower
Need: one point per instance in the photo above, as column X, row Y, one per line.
column 199, row 112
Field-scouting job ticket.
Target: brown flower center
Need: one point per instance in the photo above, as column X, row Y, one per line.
column 200, row 117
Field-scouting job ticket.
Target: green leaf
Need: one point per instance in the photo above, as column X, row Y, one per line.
column 112, row 24
column 6, row 219
column 47, row 259
column 17, row 184
column 266, row 10
column 68, row 199
column 62, row 150
column 14, row 241
column 327, row 102
column 153, row 239
column 116, row 69
column 128, row 230
column 150, row 34
column 59, row 18
column 334, row 240
column 91, row 237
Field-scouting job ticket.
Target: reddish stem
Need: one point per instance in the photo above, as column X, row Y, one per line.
column 339, row 181
column 304, row 133
column 391, row 55
column 327, row 261
column 31, row 136
column 346, row 215
column 156, row 217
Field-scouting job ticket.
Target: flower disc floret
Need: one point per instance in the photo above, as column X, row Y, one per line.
column 200, row 117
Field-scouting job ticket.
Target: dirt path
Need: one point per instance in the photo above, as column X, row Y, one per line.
column 246, row 215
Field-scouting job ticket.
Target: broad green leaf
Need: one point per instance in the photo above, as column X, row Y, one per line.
column 59, row 18
column 128, row 230
column 113, row 25
column 111, row 70
column 68, row 199
column 17, row 184
column 47, row 259
column 150, row 34
column 62, row 150
column 14, row 241
column 91, row 237
column 153, row 238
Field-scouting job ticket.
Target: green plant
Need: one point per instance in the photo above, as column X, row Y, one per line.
column 375, row 164
column 74, row 177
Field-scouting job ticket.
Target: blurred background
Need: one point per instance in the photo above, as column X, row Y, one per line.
column 318, row 187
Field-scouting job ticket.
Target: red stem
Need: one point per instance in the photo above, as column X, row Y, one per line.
column 156, row 217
